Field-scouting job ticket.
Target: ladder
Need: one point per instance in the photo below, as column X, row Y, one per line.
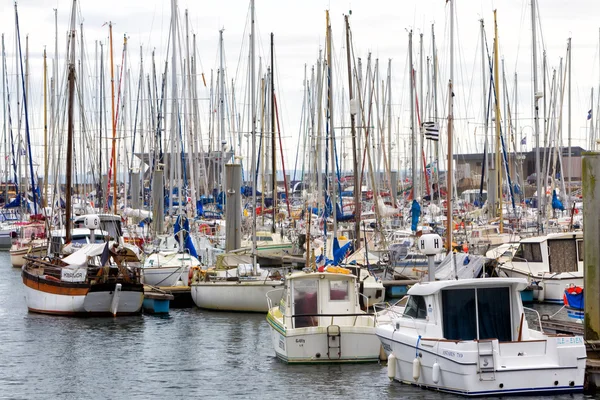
column 334, row 344
column 485, row 350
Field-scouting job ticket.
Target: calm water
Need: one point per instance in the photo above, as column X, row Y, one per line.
column 190, row 354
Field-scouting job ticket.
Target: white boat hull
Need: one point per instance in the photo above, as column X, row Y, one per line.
column 246, row 296
column 310, row 345
column 555, row 365
column 553, row 285
column 47, row 299
column 165, row 276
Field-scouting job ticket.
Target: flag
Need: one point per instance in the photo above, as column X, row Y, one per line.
column 589, row 115
column 104, row 256
column 524, row 141
column 431, row 130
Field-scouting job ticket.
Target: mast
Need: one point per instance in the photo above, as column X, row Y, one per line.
column 4, row 122
column 353, row 110
column 498, row 122
column 273, row 143
column 413, row 135
column 45, row 199
column 569, row 172
column 253, row 132
column 221, row 110
column 114, row 122
column 71, row 105
column 389, row 124
column 435, row 109
column 331, row 129
column 536, row 124
column 450, row 119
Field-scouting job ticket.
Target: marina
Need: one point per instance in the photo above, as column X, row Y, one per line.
column 171, row 232
column 191, row 352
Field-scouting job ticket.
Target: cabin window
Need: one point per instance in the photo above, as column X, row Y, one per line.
column 416, row 307
column 470, row 314
column 530, row 252
column 580, row 250
column 305, row 302
column 562, row 255
column 338, row 290
column 493, row 313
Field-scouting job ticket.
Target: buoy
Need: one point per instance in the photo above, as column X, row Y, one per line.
column 416, row 369
column 391, row 368
column 541, row 292
column 435, row 373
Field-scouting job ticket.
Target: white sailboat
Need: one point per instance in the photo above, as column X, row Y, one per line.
column 243, row 288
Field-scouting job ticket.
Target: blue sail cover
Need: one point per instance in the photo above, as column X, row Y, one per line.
column 341, row 216
column 556, row 203
column 415, row 210
column 339, row 253
column 183, row 223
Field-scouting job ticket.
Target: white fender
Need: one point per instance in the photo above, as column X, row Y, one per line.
column 391, row 367
column 416, row 369
column 541, row 292
column 114, row 304
column 435, row 373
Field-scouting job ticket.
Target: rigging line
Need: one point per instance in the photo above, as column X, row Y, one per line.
column 10, row 128
column 27, row 133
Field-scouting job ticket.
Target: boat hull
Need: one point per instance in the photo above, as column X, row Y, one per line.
column 245, row 296
column 17, row 255
column 101, row 297
column 165, row 276
column 313, row 345
column 49, row 297
column 555, row 365
column 553, row 284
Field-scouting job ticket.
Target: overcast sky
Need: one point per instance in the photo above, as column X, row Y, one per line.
column 380, row 27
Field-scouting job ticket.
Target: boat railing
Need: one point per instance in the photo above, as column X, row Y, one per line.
column 326, row 315
column 538, row 317
column 270, row 301
column 388, row 309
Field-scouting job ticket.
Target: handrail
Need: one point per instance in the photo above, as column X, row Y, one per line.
column 269, row 300
column 538, row 315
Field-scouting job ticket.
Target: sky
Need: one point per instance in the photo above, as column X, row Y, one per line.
column 379, row 28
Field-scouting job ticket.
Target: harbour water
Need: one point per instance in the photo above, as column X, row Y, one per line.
column 189, row 354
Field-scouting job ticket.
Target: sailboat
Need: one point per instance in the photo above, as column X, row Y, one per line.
column 98, row 279
column 243, row 288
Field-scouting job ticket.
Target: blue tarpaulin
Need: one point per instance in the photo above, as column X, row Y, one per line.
column 415, row 209
column 556, row 203
column 183, row 223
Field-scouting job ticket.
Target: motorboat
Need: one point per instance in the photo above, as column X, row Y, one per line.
column 471, row 337
column 552, row 262
column 319, row 319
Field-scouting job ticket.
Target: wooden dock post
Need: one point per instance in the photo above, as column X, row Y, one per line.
column 591, row 259
column 591, row 237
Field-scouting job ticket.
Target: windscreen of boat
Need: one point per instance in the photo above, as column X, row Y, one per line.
column 482, row 313
column 305, row 302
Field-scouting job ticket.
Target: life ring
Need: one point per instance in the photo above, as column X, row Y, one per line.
column 204, row 228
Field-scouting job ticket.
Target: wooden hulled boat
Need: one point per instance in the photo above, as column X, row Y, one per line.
column 98, row 279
